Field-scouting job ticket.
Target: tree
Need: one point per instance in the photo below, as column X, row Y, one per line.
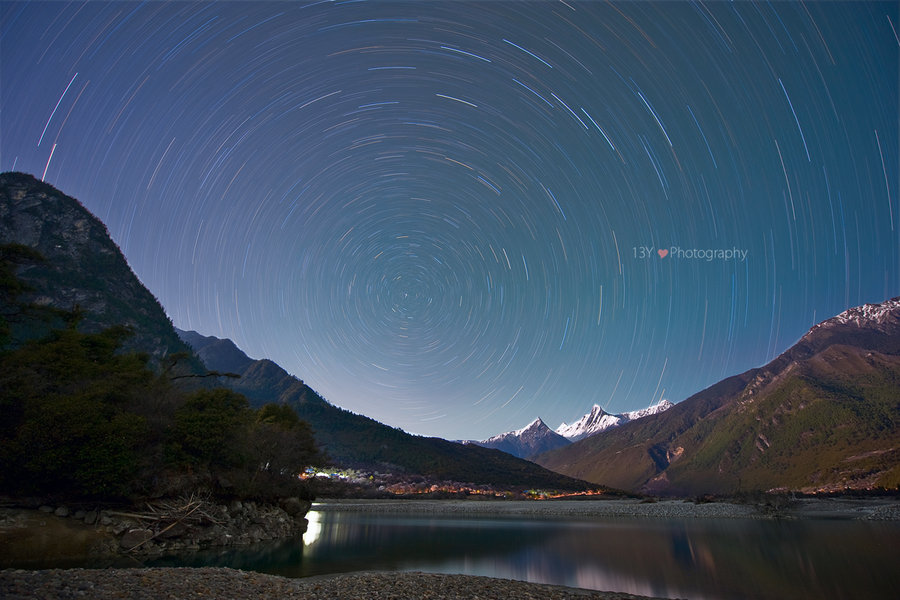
column 66, row 425
column 210, row 428
column 80, row 418
column 281, row 443
column 282, row 415
column 12, row 309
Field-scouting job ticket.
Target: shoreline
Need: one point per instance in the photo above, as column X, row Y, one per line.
column 223, row 583
column 878, row 509
column 230, row 584
column 48, row 536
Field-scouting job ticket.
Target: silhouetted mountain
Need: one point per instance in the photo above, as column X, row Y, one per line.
column 216, row 351
column 91, row 411
column 822, row 416
column 353, row 440
column 82, row 268
column 529, row 441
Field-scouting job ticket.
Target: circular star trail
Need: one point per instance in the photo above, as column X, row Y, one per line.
column 457, row 216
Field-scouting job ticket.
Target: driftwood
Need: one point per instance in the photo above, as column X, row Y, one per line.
column 130, row 515
column 167, row 514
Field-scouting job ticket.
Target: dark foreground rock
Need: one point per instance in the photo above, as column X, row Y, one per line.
column 163, row 527
column 229, row 584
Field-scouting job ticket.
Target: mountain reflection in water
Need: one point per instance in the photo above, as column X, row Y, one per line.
column 694, row 558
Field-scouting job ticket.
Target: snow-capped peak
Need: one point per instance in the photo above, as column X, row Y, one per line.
column 535, row 427
column 595, row 421
column 536, row 437
column 865, row 315
column 537, row 424
column 599, row 420
column 532, row 439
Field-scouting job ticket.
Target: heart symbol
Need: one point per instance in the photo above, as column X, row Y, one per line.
column 662, row 252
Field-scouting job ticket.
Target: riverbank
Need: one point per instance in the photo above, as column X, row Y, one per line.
column 230, row 584
column 875, row 508
column 62, row 536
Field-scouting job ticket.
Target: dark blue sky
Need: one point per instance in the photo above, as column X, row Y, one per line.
column 449, row 216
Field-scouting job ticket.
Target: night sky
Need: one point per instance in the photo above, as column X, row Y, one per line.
column 451, row 217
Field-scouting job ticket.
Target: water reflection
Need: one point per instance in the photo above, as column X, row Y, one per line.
column 698, row 559
column 313, row 528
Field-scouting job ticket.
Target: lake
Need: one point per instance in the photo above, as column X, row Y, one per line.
column 711, row 559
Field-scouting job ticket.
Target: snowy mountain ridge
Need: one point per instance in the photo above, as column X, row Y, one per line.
column 650, row 410
column 865, row 315
column 599, row 420
column 531, row 440
column 537, row 437
column 535, row 426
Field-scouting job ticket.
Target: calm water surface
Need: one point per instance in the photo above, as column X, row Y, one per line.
column 687, row 558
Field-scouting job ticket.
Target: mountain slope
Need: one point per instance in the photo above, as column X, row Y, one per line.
column 213, row 350
column 823, row 415
column 531, row 440
column 82, row 267
column 353, row 440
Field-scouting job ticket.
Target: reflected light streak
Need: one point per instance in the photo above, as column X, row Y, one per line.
column 313, row 529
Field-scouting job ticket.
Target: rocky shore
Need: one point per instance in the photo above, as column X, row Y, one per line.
column 161, row 527
column 229, row 584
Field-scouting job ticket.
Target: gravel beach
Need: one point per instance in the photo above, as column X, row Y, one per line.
column 229, row 584
column 546, row 508
column 876, row 508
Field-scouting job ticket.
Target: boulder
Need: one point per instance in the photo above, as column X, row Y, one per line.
column 175, row 531
column 295, row 506
column 133, row 537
